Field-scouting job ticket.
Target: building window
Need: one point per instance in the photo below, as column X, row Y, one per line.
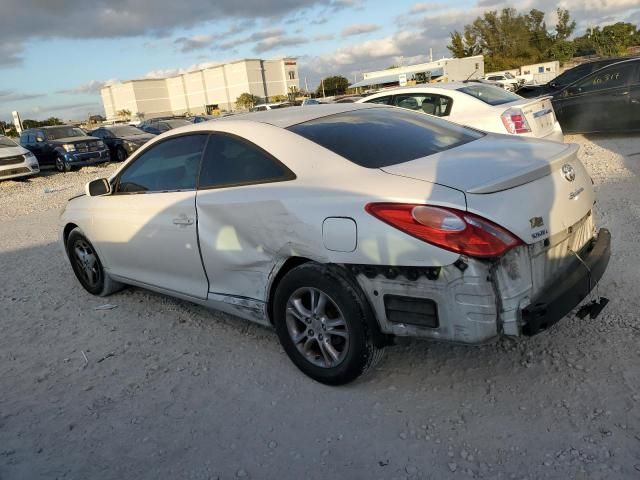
column 292, row 75
column 477, row 66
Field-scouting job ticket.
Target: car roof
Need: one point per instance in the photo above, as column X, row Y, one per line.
column 440, row 86
column 287, row 117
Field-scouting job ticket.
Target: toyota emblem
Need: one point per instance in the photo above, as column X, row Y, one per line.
column 568, row 172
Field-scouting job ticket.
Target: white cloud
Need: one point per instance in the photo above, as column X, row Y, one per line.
column 359, row 29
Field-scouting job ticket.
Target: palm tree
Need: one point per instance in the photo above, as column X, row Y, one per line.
column 124, row 114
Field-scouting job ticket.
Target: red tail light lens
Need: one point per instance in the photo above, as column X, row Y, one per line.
column 451, row 229
column 515, row 121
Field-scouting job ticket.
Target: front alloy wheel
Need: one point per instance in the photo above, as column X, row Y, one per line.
column 87, row 265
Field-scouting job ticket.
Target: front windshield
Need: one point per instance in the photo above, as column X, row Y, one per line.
column 125, row 131
column 490, row 94
column 64, row 132
column 6, row 142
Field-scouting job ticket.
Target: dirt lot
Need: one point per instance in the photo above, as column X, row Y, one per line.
column 158, row 388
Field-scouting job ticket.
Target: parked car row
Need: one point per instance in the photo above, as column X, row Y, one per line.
column 16, row 161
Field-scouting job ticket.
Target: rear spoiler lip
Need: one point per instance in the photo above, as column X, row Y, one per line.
column 527, row 176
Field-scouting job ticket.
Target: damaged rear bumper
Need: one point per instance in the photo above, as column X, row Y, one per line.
column 564, row 294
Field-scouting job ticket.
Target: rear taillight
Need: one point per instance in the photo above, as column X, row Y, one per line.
column 451, row 229
column 515, row 122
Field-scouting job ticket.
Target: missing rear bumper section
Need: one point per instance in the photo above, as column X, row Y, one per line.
column 562, row 295
column 484, row 300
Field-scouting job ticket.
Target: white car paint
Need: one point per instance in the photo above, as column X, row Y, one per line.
column 16, row 161
column 231, row 241
column 470, row 111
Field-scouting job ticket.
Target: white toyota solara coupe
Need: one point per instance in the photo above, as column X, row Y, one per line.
column 344, row 226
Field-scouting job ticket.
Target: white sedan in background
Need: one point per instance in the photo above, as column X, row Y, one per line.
column 16, row 161
column 345, row 225
column 478, row 105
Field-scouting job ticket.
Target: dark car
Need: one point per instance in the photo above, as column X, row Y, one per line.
column 202, row 118
column 606, row 100
column 66, row 147
column 565, row 78
column 122, row 140
column 157, row 126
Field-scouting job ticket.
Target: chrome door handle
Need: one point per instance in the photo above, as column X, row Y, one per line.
column 183, row 221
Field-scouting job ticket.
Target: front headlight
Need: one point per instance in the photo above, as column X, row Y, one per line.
column 69, row 147
column 100, row 143
column 29, row 155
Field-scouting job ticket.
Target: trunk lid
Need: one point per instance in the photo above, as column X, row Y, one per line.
column 539, row 114
column 520, row 184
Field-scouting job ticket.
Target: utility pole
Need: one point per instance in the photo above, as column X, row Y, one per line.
column 306, row 87
column 322, row 83
column 430, row 54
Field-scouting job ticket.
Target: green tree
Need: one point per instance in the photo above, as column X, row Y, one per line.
column 509, row 39
column 336, row 85
column 28, row 123
column 565, row 26
column 562, row 51
column 278, row 98
column 246, row 100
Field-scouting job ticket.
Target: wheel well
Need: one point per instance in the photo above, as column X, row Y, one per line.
column 67, row 230
column 286, row 267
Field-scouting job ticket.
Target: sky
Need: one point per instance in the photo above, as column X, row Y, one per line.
column 55, row 55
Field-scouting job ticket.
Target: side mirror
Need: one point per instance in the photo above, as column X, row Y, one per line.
column 97, row 188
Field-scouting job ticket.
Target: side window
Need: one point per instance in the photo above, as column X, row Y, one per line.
column 424, row 102
column 612, row 77
column 230, row 161
column 24, row 139
column 382, row 100
column 163, row 127
column 168, row 166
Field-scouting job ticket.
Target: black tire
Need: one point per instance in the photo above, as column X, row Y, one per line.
column 359, row 353
column 61, row 164
column 121, row 154
column 99, row 282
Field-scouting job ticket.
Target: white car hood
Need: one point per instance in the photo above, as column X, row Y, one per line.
column 12, row 151
column 490, row 164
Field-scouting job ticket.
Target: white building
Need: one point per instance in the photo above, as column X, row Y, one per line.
column 445, row 69
column 201, row 91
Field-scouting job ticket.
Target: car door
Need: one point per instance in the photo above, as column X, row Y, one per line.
column 237, row 202
column 146, row 230
column 42, row 149
column 597, row 103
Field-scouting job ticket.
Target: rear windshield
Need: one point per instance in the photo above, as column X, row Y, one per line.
column 380, row 137
column 490, row 94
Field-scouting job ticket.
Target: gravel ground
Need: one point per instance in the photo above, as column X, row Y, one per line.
column 159, row 388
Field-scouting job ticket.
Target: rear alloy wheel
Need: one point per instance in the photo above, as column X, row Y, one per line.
column 61, row 164
column 87, row 266
column 121, row 154
column 323, row 324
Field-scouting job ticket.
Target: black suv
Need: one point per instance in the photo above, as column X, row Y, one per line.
column 65, row 146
